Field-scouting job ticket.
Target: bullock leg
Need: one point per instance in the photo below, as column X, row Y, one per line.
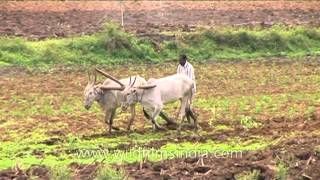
column 107, row 116
column 146, row 114
column 133, row 114
column 182, row 113
column 189, row 113
column 113, row 112
column 188, row 116
column 166, row 118
column 155, row 114
column 162, row 115
column 149, row 117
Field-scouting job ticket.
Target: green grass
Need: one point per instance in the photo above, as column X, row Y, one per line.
column 246, row 109
column 252, row 175
column 282, row 171
column 91, row 150
column 106, row 173
column 114, row 46
column 60, row 173
column 246, row 93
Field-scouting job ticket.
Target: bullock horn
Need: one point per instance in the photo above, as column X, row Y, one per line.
column 89, row 77
column 134, row 81
column 147, row 86
column 111, row 88
column 130, row 81
column 109, row 76
column 95, row 77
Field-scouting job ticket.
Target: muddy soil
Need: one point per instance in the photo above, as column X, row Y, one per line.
column 41, row 19
column 298, row 154
column 40, row 172
column 79, row 171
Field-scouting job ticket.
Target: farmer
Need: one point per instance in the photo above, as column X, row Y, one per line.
column 186, row 68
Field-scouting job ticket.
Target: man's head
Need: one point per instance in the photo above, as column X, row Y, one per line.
column 183, row 59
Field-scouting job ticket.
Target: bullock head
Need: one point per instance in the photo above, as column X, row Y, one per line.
column 92, row 91
column 133, row 94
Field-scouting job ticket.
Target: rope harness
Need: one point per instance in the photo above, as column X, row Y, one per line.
column 137, row 98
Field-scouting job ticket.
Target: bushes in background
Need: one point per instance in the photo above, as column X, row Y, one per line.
column 114, row 46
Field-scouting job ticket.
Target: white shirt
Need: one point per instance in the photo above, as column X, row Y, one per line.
column 187, row 70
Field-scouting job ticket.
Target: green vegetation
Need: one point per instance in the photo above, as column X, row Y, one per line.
column 114, row 46
column 76, row 149
column 60, row 173
column 43, row 122
column 244, row 108
column 317, row 151
column 106, row 173
column 252, row 175
column 282, row 171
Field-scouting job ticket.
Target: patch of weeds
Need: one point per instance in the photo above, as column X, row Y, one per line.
column 282, row 171
column 253, row 106
column 115, row 46
column 248, row 122
column 222, row 127
column 145, row 138
column 251, row 175
column 60, row 173
column 106, row 173
column 231, row 148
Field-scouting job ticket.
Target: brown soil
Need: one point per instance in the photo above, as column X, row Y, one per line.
column 17, row 173
column 84, row 171
column 43, row 19
column 272, row 129
column 298, row 154
column 79, row 171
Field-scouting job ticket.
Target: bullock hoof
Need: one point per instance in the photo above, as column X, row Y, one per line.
column 115, row 128
column 157, row 128
column 179, row 132
column 160, row 129
column 171, row 126
column 195, row 128
column 171, row 123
